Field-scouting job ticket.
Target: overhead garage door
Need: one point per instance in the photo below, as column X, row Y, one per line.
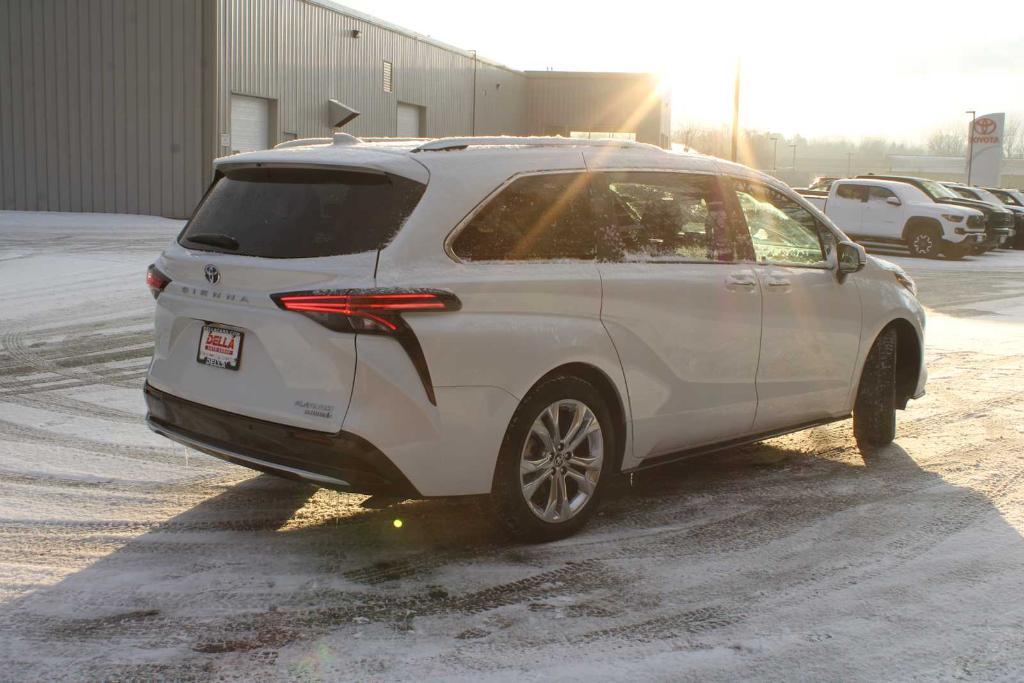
column 410, row 121
column 250, row 123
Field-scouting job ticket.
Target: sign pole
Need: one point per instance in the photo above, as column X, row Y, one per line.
column 970, row 145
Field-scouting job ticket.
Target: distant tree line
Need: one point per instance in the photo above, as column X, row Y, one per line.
column 767, row 150
column 951, row 140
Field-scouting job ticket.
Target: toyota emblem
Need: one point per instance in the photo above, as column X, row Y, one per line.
column 212, row 274
column 985, row 126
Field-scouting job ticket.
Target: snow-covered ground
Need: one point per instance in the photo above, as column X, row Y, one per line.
column 123, row 556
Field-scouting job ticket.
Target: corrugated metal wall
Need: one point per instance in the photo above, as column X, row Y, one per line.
column 101, row 105
column 301, row 54
column 121, row 105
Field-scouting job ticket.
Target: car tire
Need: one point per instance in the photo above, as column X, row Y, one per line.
column 924, row 242
column 542, row 490
column 874, row 412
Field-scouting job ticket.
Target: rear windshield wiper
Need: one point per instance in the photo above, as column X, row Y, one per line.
column 214, row 239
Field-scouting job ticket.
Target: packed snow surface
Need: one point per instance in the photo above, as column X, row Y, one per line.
column 125, row 556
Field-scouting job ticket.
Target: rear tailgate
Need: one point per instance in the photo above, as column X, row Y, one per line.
column 290, row 370
column 258, row 233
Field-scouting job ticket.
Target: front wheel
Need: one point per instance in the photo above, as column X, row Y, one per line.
column 874, row 413
column 555, row 460
column 924, row 242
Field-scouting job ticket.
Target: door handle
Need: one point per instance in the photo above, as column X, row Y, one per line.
column 776, row 281
column 744, row 280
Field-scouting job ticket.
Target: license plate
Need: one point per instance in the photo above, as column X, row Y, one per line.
column 220, row 347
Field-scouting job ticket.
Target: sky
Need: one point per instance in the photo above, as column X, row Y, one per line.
column 827, row 69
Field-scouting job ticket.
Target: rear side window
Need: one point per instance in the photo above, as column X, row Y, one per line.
column 658, row 216
column 541, row 217
column 856, row 192
column 301, row 212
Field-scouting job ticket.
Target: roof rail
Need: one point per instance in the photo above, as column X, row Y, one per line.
column 303, row 142
column 453, row 144
column 394, row 139
column 337, row 139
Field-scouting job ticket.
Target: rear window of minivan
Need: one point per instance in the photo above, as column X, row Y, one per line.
column 300, row 212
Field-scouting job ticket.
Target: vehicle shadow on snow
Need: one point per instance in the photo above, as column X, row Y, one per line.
column 270, row 562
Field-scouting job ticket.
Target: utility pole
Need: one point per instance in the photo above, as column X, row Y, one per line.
column 794, row 155
column 775, row 150
column 970, row 144
column 736, row 112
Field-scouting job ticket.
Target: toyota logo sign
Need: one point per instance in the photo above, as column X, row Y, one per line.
column 212, row 274
column 984, row 126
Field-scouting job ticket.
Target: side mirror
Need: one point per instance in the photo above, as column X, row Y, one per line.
column 852, row 257
column 895, row 201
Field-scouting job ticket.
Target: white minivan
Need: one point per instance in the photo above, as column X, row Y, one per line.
column 519, row 317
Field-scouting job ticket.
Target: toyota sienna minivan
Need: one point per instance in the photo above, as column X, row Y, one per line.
column 519, row 317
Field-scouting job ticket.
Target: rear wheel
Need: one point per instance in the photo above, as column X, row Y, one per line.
column 924, row 241
column 874, row 413
column 555, row 460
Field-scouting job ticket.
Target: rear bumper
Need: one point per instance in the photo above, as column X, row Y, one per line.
column 341, row 461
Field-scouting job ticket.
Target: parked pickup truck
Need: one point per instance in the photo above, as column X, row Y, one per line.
column 819, row 187
column 998, row 221
column 1014, row 201
column 896, row 212
column 983, row 195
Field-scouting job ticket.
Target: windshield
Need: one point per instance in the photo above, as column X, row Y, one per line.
column 1006, row 197
column 987, row 196
column 938, row 190
column 301, row 212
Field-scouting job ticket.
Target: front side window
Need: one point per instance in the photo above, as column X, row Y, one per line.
column 781, row 230
column 660, row 216
column 879, row 194
column 535, row 218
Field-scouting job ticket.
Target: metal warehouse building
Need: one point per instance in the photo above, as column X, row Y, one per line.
column 121, row 105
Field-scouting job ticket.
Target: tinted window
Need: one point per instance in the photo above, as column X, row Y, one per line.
column 964, row 192
column 879, row 194
column 650, row 216
column 857, row 192
column 539, row 217
column 1006, row 197
column 781, row 230
column 301, row 213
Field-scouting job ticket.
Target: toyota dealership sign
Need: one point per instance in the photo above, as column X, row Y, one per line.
column 985, row 151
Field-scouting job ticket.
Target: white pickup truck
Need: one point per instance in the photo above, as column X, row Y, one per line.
column 895, row 212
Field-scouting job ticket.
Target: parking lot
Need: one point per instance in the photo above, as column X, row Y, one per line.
column 123, row 555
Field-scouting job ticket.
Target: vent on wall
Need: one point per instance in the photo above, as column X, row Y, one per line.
column 388, row 76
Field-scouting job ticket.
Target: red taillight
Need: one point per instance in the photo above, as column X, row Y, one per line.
column 374, row 311
column 156, row 281
column 365, row 310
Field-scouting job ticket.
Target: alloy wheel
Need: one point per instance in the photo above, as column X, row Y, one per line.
column 923, row 244
column 561, row 460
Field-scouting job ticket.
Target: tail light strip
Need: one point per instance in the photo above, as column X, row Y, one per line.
column 156, row 281
column 374, row 311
